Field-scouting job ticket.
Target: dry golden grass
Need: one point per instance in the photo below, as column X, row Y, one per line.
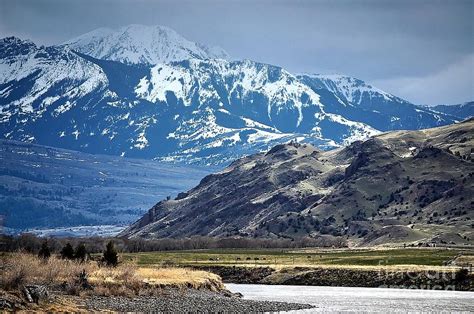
column 181, row 277
column 464, row 260
column 138, row 278
column 126, row 279
column 23, row 268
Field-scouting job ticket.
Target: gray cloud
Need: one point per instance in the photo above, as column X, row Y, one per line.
column 392, row 43
column 438, row 87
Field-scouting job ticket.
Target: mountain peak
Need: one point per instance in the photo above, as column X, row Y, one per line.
column 11, row 40
column 144, row 44
column 12, row 46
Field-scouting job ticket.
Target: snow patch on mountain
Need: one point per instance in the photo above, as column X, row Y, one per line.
column 357, row 131
column 166, row 78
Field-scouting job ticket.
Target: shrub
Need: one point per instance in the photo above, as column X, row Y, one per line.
column 461, row 275
column 21, row 269
column 13, row 278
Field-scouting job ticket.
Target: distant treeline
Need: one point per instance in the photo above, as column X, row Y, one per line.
column 40, row 178
column 32, row 243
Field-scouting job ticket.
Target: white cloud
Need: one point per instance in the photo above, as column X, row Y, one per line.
column 450, row 85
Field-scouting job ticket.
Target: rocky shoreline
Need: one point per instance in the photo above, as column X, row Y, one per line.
column 168, row 300
column 186, row 301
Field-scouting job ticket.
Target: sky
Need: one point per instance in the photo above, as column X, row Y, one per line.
column 420, row 50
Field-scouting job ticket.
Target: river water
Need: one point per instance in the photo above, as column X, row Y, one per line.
column 340, row 299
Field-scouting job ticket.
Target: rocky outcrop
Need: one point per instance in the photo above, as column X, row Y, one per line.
column 35, row 293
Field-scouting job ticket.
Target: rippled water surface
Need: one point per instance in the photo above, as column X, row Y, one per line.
column 361, row 299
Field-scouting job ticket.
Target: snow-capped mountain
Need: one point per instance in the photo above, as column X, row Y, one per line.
column 197, row 110
column 208, row 111
column 348, row 90
column 356, row 100
column 142, row 44
column 225, row 105
column 461, row 111
column 35, row 80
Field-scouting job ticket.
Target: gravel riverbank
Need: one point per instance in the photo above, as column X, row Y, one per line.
column 187, row 300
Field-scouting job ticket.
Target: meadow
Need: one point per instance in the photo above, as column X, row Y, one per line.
column 303, row 257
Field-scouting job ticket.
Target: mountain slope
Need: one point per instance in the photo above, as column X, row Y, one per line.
column 141, row 44
column 359, row 101
column 396, row 187
column 53, row 96
column 230, row 105
column 35, row 79
column 195, row 111
column 460, row 111
column 45, row 187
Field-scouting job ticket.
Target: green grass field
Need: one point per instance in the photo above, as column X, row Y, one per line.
column 288, row 257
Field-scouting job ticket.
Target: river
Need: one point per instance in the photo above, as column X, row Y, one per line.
column 360, row 299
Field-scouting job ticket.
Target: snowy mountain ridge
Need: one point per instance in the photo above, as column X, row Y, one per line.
column 142, row 44
column 237, row 79
column 197, row 110
column 349, row 89
column 461, row 111
column 51, row 75
column 229, row 98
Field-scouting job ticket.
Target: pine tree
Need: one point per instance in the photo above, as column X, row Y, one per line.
column 44, row 252
column 110, row 255
column 67, row 252
column 81, row 252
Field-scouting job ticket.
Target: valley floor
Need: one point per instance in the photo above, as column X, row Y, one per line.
column 193, row 281
column 420, row 268
column 311, row 257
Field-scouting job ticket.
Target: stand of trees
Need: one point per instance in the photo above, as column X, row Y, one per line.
column 31, row 243
column 80, row 253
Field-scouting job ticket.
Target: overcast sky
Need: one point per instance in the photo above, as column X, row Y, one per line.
column 422, row 51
